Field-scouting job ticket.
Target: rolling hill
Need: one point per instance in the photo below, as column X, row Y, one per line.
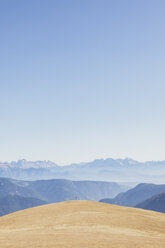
column 136, row 195
column 79, row 224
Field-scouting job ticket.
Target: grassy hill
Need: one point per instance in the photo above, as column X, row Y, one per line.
column 82, row 224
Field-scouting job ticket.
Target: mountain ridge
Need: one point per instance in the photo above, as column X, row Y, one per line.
column 136, row 195
column 118, row 170
column 17, row 193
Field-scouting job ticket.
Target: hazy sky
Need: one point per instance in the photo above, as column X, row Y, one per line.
column 82, row 79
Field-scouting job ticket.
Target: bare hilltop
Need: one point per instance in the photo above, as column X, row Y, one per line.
column 82, row 224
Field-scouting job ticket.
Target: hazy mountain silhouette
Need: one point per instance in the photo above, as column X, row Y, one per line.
column 155, row 203
column 16, row 195
column 12, row 203
column 118, row 170
column 136, row 195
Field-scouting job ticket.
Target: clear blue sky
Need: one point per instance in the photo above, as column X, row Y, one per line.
column 82, row 79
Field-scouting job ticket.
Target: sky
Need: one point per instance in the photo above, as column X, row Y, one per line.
column 82, row 79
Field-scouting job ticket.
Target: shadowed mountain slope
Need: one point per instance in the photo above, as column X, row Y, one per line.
column 136, row 195
column 155, row 203
column 15, row 187
column 12, row 203
column 82, row 224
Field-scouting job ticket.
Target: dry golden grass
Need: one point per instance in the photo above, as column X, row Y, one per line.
column 82, row 224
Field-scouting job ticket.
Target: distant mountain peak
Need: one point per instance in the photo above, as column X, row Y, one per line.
column 23, row 163
column 119, row 170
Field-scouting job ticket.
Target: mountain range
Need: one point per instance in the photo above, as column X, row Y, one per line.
column 17, row 194
column 118, row 170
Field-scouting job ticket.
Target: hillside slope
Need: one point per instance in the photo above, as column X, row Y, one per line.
column 12, row 203
column 136, row 195
column 155, row 203
column 82, row 224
